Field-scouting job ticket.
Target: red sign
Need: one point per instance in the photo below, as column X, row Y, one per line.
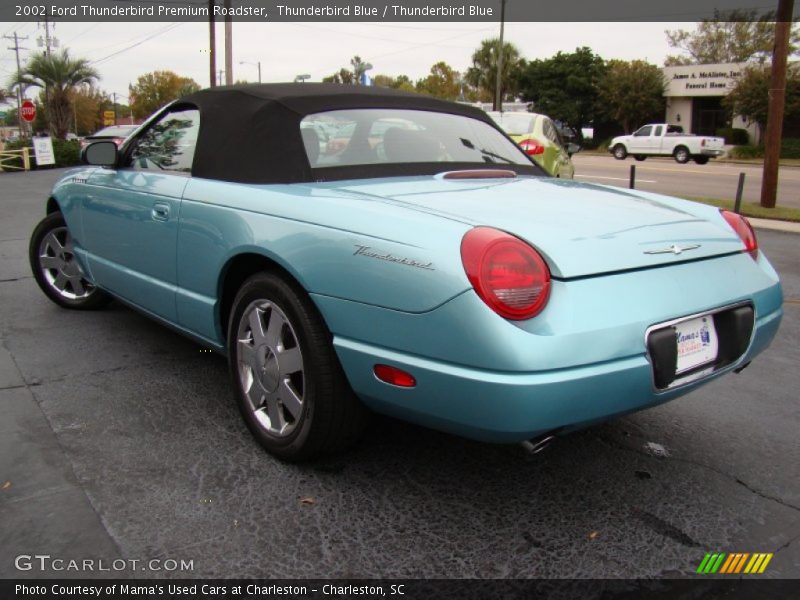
column 28, row 111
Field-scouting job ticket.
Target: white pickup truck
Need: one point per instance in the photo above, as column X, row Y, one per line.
column 661, row 139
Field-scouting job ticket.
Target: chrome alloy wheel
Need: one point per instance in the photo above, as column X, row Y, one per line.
column 60, row 268
column 270, row 367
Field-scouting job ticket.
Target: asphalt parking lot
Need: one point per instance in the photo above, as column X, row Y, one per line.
column 120, row 439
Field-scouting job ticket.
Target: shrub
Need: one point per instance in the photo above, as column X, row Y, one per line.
column 790, row 148
column 747, row 152
column 734, row 135
column 67, row 152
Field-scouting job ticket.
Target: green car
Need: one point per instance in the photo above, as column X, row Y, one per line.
column 539, row 137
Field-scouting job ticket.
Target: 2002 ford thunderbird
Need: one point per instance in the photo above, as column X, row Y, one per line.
column 351, row 248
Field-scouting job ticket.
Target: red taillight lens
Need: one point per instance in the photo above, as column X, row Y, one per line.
column 507, row 274
column 531, row 147
column 394, row 376
column 744, row 230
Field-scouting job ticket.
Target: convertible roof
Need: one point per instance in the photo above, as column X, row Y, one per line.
column 251, row 133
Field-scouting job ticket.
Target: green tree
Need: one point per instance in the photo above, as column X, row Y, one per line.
column 564, row 86
column 750, row 95
column 401, row 82
column 632, row 93
column 442, row 82
column 59, row 75
column 153, row 90
column 482, row 75
column 342, row 76
column 89, row 104
column 733, row 36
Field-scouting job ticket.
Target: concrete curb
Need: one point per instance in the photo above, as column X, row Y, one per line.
column 774, row 225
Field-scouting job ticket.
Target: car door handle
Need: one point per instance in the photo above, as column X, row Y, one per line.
column 160, row 211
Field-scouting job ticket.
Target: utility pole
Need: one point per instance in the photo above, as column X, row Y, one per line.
column 212, row 45
column 114, row 94
column 16, row 48
column 48, row 42
column 498, row 100
column 777, row 101
column 228, row 44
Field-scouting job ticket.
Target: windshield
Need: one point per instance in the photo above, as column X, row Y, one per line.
column 345, row 138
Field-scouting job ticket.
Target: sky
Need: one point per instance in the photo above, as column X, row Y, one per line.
column 122, row 51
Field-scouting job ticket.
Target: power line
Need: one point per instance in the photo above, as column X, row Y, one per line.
column 169, row 27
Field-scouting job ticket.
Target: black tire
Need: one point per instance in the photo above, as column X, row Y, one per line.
column 330, row 416
column 620, row 152
column 640, row 157
column 63, row 283
column 701, row 160
column 682, row 155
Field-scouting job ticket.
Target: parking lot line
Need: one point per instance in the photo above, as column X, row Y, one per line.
column 615, row 178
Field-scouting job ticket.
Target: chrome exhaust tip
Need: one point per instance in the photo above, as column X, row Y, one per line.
column 539, row 444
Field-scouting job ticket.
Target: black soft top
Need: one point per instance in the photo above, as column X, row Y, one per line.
column 251, row 133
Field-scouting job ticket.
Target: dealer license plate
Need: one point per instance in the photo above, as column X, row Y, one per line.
column 697, row 343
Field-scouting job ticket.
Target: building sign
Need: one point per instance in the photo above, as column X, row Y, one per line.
column 702, row 80
column 43, row 148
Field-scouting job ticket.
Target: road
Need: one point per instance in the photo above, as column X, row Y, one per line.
column 665, row 176
column 120, row 439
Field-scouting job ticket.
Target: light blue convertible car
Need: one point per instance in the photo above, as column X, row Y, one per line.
column 352, row 248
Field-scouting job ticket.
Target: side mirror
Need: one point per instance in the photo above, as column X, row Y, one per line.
column 101, row 154
column 573, row 148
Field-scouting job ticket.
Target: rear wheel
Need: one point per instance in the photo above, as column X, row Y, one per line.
column 701, row 160
column 288, row 382
column 620, row 153
column 640, row 157
column 56, row 269
column 682, row 155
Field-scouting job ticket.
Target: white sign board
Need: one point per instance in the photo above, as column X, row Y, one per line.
column 43, row 148
column 702, row 80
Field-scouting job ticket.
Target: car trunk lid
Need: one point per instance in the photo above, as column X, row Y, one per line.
column 581, row 229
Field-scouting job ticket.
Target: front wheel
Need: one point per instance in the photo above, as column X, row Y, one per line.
column 288, row 382
column 682, row 155
column 56, row 269
column 620, row 153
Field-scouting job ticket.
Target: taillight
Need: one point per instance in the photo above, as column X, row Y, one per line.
column 531, row 147
column 744, row 230
column 507, row 274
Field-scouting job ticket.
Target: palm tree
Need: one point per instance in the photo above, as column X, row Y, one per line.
column 483, row 72
column 58, row 74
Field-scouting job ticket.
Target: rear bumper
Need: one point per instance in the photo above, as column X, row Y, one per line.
column 711, row 153
column 511, row 407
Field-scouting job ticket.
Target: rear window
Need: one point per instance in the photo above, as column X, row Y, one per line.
column 116, row 131
column 514, row 123
column 344, row 138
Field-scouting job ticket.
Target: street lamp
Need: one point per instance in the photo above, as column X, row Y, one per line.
column 258, row 64
column 301, row 78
